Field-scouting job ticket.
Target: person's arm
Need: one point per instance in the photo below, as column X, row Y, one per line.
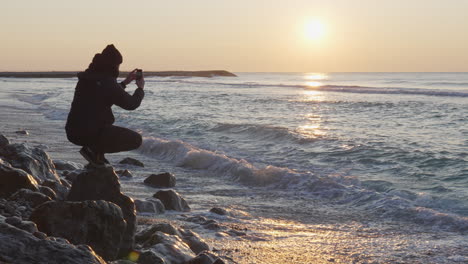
column 124, row 100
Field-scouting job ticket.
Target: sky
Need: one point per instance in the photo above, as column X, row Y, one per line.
column 238, row 36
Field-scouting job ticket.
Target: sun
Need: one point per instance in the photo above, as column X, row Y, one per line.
column 314, row 30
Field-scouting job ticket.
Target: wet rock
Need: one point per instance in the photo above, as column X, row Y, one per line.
column 194, row 241
column 99, row 224
column 67, row 165
column 172, row 200
column 149, row 257
column 40, row 235
column 22, row 132
column 174, row 250
column 32, row 160
column 153, row 206
column 125, row 173
column 65, row 183
column 3, row 141
column 48, row 191
column 144, row 235
column 219, row 211
column 131, row 161
column 12, row 179
column 29, row 198
column 60, row 190
column 163, row 180
column 19, row 246
column 103, row 184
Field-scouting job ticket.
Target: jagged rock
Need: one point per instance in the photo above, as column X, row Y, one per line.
column 174, row 250
column 172, row 200
column 32, row 160
column 163, row 180
column 3, row 141
column 149, row 257
column 28, row 226
column 29, row 198
column 124, row 173
column 22, row 132
column 99, row 224
column 144, row 235
column 60, row 190
column 103, row 184
column 48, row 191
column 132, row 161
column 153, row 206
column 194, row 241
column 219, row 211
column 20, row 247
column 67, row 165
column 12, row 179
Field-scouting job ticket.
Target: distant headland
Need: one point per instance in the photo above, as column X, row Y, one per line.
column 71, row 74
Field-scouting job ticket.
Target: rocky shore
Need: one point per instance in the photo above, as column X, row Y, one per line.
column 71, row 74
column 56, row 211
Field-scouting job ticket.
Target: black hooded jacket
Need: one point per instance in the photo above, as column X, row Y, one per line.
column 95, row 93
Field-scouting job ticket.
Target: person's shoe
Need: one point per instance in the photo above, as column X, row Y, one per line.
column 90, row 156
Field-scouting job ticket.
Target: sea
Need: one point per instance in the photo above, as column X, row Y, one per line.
column 317, row 167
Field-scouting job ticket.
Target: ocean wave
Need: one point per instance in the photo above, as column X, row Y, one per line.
column 377, row 197
column 266, row 132
column 333, row 88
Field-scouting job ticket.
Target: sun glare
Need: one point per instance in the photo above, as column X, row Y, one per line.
column 315, row 30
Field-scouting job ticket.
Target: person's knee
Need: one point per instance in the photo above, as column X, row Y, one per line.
column 137, row 141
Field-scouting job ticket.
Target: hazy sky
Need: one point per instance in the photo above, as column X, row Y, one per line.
column 240, row 35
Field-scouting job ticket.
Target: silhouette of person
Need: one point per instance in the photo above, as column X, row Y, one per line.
column 90, row 121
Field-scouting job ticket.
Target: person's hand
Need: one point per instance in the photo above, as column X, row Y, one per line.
column 130, row 77
column 141, row 82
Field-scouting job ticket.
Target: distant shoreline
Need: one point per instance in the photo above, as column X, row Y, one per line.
column 71, row 74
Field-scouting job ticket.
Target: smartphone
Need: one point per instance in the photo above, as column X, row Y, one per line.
column 139, row 74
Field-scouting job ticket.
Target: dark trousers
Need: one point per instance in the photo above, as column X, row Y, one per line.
column 114, row 139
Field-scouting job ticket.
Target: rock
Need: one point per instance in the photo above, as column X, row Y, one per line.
column 144, row 235
column 99, row 224
column 12, row 179
column 103, row 184
column 60, row 190
column 163, row 180
column 174, row 250
column 124, row 173
column 40, row 235
column 29, row 198
column 3, row 141
column 172, row 200
column 27, row 226
column 19, row 246
column 131, row 161
column 149, row 257
column 67, row 165
column 22, row 132
column 48, row 191
column 65, row 183
column 8, row 208
column 194, row 241
column 201, row 259
column 153, row 206
column 32, row 160
column 219, row 211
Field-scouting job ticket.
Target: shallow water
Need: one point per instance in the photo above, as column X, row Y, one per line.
column 379, row 152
